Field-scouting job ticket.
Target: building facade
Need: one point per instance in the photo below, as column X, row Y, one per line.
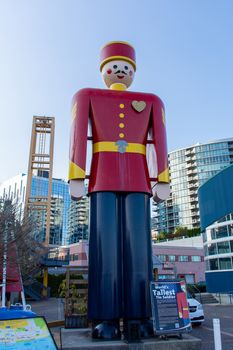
column 15, row 189
column 189, row 168
column 68, row 219
column 182, row 258
column 216, row 213
column 78, row 220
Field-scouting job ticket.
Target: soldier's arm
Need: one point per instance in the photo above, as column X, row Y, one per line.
column 161, row 190
column 78, row 143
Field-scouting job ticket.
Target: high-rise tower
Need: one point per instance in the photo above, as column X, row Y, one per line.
column 189, row 168
column 41, row 164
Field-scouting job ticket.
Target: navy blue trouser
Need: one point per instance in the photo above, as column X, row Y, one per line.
column 120, row 256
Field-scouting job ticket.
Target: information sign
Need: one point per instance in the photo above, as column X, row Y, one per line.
column 26, row 333
column 169, row 307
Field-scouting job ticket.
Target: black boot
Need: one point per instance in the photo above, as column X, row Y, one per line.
column 108, row 330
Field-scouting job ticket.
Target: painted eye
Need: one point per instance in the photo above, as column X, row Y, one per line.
column 126, row 67
column 115, row 66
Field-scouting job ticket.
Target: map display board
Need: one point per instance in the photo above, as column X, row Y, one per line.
column 169, row 307
column 26, row 333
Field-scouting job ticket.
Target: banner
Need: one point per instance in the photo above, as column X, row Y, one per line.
column 169, row 307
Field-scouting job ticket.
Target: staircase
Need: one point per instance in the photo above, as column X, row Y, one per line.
column 206, row 298
column 35, row 291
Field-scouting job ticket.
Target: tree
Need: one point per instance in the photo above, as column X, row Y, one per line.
column 19, row 249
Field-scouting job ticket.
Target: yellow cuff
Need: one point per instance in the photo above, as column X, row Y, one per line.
column 75, row 172
column 164, row 176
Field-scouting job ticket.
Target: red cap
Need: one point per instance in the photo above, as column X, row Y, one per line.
column 117, row 50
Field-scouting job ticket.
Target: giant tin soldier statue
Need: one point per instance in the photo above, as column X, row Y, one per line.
column 129, row 165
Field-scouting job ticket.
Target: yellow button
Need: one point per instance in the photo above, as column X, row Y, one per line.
column 122, row 105
column 121, row 125
column 121, row 135
column 121, row 115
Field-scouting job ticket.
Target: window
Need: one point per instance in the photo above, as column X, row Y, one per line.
column 74, row 257
column 213, row 236
column 183, row 258
column 231, row 243
column 230, row 227
column 165, row 277
column 171, row 258
column 225, row 263
column 214, row 264
column 212, row 249
column 207, row 265
column 196, row 258
column 162, row 257
column 190, row 279
column 221, row 232
column 223, row 247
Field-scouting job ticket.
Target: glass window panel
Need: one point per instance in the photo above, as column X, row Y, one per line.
column 196, row 258
column 221, row 232
column 213, row 264
column 205, row 250
column 225, row 263
column 213, row 236
column 183, row 258
column 165, row 277
column 212, row 249
column 162, row 257
column 223, row 247
column 230, row 228
column 171, row 258
column 231, row 244
column 207, row 265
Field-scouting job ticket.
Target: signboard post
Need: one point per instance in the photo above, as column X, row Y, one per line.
column 169, row 307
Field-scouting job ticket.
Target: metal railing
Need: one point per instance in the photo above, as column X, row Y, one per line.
column 192, row 288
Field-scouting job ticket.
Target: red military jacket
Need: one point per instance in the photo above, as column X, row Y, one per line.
column 121, row 122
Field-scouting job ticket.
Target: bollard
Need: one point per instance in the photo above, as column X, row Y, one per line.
column 217, row 334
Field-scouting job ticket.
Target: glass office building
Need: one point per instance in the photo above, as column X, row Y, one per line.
column 216, row 214
column 15, row 190
column 78, row 220
column 189, row 168
column 68, row 220
column 218, row 244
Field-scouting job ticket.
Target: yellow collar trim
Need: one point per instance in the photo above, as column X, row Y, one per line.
column 118, row 86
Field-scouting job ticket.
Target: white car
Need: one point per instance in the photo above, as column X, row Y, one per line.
column 196, row 312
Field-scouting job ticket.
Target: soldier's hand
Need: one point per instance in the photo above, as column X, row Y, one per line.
column 161, row 191
column 77, row 189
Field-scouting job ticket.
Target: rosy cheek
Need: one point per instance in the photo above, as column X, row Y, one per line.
column 130, row 73
column 109, row 71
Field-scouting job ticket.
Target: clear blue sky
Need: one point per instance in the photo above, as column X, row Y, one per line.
column 50, row 49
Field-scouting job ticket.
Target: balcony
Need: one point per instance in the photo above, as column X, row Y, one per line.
column 193, row 185
column 191, row 192
column 189, row 151
column 192, row 178
column 196, row 213
column 191, row 166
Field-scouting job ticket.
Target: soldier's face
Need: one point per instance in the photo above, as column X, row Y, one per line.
column 118, row 72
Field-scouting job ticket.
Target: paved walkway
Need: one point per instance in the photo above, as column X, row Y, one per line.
column 53, row 310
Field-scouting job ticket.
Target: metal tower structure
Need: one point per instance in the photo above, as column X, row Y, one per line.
column 41, row 164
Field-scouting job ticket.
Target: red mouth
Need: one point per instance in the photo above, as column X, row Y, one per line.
column 120, row 76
